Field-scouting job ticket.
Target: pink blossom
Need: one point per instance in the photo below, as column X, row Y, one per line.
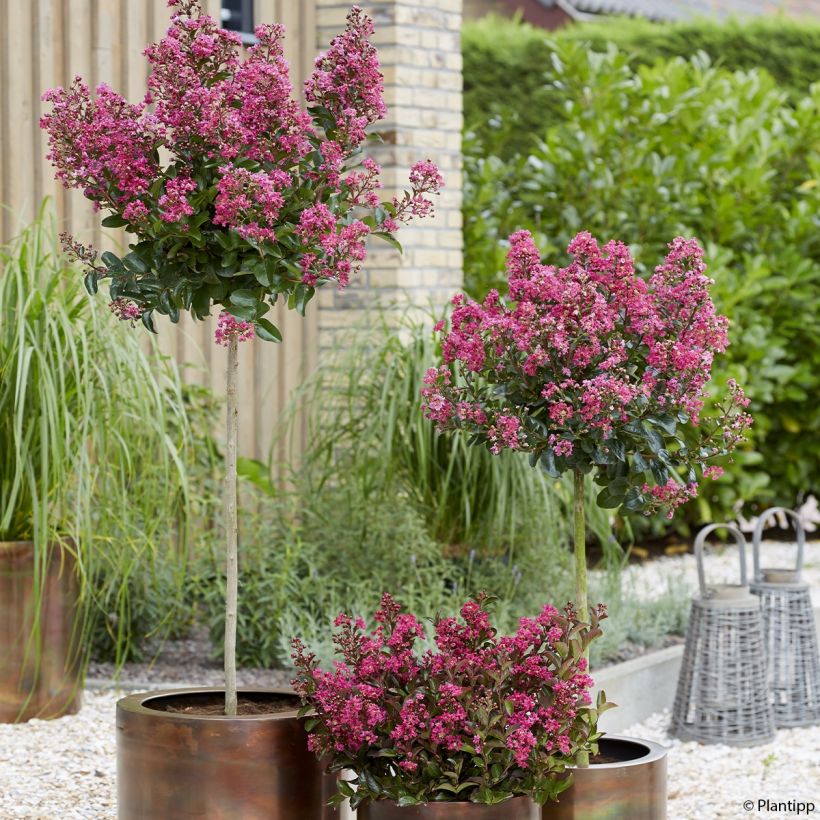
column 227, row 328
column 104, row 146
column 385, row 702
column 250, row 202
column 347, row 82
column 593, row 355
column 125, row 310
column 173, row 204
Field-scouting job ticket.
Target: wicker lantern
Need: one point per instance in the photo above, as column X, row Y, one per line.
column 790, row 632
column 722, row 694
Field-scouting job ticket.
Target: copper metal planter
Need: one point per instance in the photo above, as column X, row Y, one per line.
column 632, row 789
column 39, row 670
column 173, row 766
column 519, row 808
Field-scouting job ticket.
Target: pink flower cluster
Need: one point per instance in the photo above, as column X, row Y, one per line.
column 672, row 494
column 227, row 328
column 124, row 310
column 250, row 202
column 385, row 705
column 586, row 352
column 245, row 159
column 173, row 204
column 347, row 81
column 103, row 146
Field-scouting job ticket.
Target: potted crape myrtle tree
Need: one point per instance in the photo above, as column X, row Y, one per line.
column 591, row 369
column 482, row 726
column 237, row 199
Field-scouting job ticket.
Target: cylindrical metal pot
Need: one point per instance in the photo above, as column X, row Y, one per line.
column 213, row 767
column 518, row 808
column 39, row 668
column 632, row 786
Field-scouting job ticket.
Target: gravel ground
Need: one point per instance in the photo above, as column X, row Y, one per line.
column 61, row 769
column 185, row 663
column 648, row 579
column 710, row 782
column 65, row 769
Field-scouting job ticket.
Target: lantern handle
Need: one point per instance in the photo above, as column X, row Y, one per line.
column 799, row 529
column 699, row 542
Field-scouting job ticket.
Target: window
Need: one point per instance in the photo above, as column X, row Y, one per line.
column 237, row 15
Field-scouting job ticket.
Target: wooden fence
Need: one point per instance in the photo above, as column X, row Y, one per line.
column 45, row 43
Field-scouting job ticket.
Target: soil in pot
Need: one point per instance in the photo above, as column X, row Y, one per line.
column 260, row 703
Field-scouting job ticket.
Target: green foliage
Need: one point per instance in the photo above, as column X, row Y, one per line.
column 509, row 70
column 93, row 435
column 682, row 147
column 788, row 49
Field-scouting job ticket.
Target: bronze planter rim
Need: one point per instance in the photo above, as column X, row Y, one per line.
column 135, row 703
column 654, row 752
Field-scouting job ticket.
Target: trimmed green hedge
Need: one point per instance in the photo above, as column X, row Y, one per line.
column 644, row 153
column 508, row 66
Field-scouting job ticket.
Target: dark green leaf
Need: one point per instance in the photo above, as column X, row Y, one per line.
column 148, row 320
column 111, row 260
column 134, row 263
column 266, row 330
column 389, row 238
column 244, row 298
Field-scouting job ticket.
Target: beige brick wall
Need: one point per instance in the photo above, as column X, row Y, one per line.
column 420, row 51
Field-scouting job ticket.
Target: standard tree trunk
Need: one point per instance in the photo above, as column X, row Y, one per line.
column 232, row 570
column 580, row 568
column 580, row 548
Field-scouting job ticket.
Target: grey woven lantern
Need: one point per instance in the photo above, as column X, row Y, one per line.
column 722, row 694
column 790, row 632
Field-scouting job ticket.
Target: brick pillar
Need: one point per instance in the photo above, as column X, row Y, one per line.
column 419, row 46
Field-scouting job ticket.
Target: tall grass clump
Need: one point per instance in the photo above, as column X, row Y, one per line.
column 93, row 442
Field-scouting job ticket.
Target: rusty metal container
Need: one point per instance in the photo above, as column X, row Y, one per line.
column 212, row 767
column 632, row 786
column 39, row 669
column 518, row 808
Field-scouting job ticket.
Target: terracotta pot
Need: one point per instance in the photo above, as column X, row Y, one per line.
column 631, row 788
column 39, row 670
column 519, row 808
column 214, row 767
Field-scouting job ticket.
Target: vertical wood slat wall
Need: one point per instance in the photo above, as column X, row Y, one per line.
column 45, row 43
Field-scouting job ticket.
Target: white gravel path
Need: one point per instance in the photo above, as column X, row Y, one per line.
column 722, row 565
column 61, row 769
column 710, row 782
